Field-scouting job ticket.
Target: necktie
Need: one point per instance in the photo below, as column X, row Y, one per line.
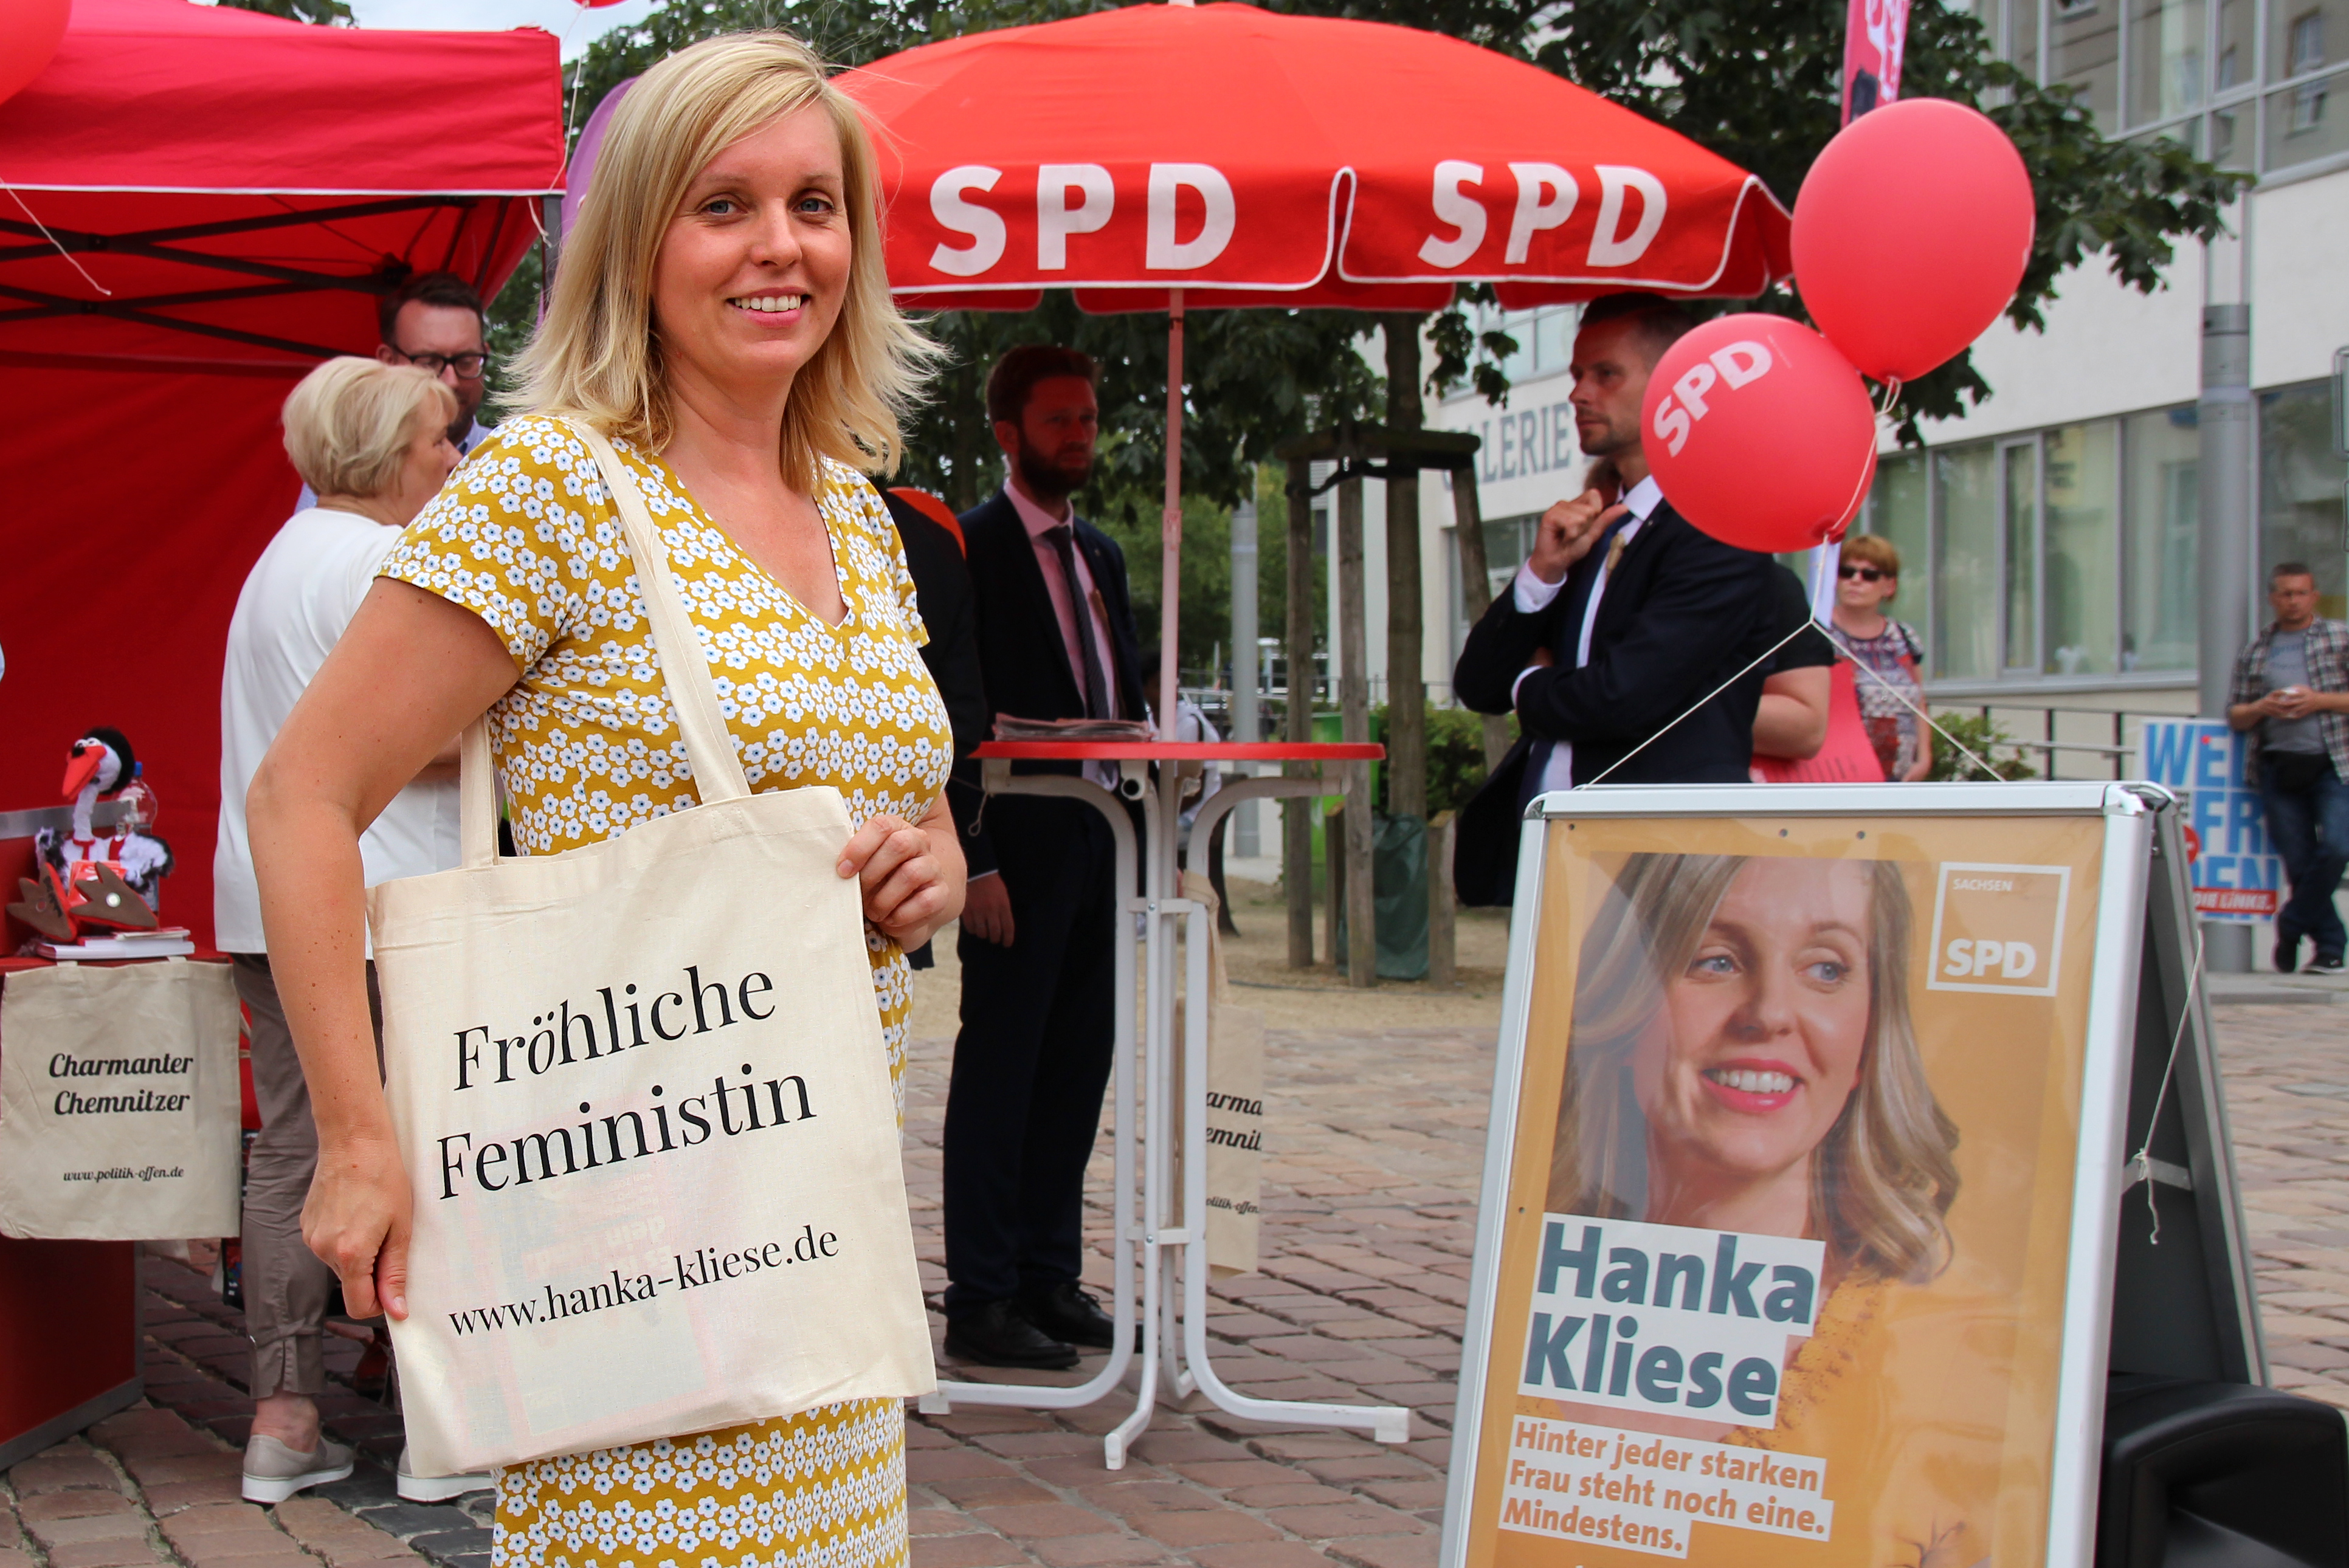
column 1580, row 584
column 1098, row 701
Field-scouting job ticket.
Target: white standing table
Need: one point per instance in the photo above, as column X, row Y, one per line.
column 1171, row 1307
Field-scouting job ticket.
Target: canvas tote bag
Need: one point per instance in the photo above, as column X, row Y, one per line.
column 640, row 1090
column 118, row 1102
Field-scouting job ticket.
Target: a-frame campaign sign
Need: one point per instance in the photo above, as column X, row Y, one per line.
column 1858, row 1190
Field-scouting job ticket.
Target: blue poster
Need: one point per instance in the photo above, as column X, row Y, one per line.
column 2237, row 875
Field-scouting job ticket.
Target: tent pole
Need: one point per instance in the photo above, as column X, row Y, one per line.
column 1169, row 581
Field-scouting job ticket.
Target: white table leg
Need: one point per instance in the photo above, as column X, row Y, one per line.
column 1125, row 1311
column 1387, row 1423
column 1173, row 1353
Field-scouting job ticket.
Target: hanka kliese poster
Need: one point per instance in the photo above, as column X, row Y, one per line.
column 1781, row 1267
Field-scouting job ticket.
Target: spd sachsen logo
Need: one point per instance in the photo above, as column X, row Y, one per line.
column 1998, row 928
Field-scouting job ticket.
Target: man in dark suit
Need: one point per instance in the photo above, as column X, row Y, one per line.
column 1056, row 640
column 1623, row 618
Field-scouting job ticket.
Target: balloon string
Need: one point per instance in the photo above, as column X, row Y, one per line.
column 1891, row 402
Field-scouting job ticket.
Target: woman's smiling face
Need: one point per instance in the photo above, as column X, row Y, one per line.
column 752, row 274
column 1763, row 1035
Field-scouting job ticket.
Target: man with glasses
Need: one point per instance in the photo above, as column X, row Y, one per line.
column 434, row 321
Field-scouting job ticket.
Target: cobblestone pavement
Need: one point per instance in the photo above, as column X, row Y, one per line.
column 1372, row 1149
column 2287, row 1071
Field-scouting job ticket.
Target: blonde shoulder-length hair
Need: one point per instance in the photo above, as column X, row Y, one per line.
column 596, row 355
column 1885, row 1175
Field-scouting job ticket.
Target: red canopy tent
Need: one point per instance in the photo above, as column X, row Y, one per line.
column 235, row 193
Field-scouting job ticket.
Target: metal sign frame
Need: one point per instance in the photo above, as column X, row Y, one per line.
column 2146, row 1023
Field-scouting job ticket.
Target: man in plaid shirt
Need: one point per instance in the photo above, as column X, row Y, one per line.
column 2291, row 690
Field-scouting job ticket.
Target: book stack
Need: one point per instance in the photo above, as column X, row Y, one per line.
column 164, row 942
column 1010, row 726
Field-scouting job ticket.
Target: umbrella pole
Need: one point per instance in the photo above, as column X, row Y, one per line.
column 1171, row 524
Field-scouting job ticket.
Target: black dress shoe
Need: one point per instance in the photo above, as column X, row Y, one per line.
column 998, row 1335
column 1068, row 1311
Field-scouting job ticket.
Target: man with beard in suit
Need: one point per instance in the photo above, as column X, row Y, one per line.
column 1056, row 640
column 1623, row 617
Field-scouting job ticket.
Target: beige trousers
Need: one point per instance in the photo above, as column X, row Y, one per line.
column 285, row 1286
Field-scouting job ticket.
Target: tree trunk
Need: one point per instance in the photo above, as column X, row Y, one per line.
column 1475, row 587
column 1442, row 932
column 1296, row 814
column 1406, row 614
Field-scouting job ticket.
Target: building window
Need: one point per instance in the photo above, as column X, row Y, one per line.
column 2082, row 549
column 1545, row 340
column 2303, row 43
column 1899, row 510
column 2162, row 492
column 2066, row 553
column 2299, row 128
column 2019, row 551
column 1507, row 542
column 2084, row 52
column 2196, row 72
column 2166, row 42
column 1965, row 563
column 2301, row 491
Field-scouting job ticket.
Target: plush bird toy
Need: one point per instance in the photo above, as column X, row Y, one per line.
column 87, row 881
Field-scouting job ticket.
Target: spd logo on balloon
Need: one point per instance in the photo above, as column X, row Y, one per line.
column 1760, row 433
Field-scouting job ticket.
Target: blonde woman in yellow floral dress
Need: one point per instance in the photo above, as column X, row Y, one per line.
column 721, row 313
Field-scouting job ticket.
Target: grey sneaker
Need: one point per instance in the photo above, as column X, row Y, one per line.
column 274, row 1473
column 414, row 1488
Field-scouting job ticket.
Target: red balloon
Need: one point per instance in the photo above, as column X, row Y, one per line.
column 1911, row 234
column 1760, row 433
column 30, row 31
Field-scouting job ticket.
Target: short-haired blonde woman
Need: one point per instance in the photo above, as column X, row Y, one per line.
column 371, row 439
column 721, row 313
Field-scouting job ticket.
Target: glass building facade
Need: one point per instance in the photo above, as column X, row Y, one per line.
column 2069, row 553
column 2249, row 83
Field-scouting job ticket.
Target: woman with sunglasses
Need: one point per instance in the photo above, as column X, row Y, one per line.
column 1891, row 659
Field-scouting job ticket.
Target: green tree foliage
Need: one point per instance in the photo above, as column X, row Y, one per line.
column 325, row 13
column 1757, row 81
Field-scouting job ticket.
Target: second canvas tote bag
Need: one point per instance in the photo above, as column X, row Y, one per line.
column 118, row 1102
column 641, row 1093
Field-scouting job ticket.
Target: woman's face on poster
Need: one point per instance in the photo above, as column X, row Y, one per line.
column 1762, row 1034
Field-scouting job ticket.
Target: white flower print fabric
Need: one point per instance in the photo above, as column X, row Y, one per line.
column 586, row 743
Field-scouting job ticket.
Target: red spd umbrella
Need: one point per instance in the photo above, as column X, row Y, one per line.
column 1227, row 156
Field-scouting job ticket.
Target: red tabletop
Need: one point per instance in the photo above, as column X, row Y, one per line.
column 1182, row 750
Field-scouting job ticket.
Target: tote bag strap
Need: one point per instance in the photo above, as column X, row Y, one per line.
column 708, row 746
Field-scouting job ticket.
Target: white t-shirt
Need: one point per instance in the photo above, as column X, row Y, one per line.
column 296, row 601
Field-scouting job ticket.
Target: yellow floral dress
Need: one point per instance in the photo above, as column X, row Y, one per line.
column 587, row 745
